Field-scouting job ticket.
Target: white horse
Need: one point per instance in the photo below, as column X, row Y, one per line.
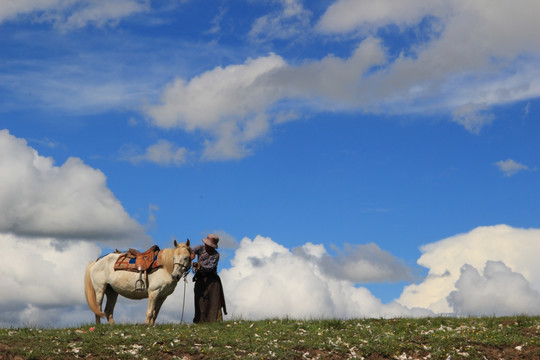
column 101, row 279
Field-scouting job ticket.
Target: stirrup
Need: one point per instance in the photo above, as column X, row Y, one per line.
column 139, row 284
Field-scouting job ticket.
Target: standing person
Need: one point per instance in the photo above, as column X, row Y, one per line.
column 209, row 297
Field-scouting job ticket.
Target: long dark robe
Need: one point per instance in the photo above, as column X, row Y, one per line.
column 209, row 298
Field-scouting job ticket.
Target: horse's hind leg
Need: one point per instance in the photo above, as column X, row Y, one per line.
column 99, row 298
column 112, row 296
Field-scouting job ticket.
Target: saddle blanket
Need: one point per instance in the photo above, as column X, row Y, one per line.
column 126, row 261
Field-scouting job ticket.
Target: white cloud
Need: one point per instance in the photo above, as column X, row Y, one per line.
column 516, row 248
column 51, row 222
column 233, row 105
column 480, row 54
column 510, row 167
column 72, row 14
column 162, row 153
column 291, row 21
column 333, row 82
column 493, row 27
column 474, row 56
column 359, row 263
column 268, row 280
column 473, row 117
column 348, row 15
column 70, row 201
column 42, row 279
column 216, row 21
column 43, row 285
column 498, row 291
column 226, row 103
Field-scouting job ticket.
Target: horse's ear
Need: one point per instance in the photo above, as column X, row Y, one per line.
column 187, row 242
column 175, row 243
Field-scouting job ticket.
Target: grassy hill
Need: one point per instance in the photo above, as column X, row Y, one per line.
column 426, row 338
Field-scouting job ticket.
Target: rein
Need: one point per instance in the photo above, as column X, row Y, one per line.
column 185, row 284
column 184, row 300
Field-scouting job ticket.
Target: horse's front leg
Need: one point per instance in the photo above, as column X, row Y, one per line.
column 151, row 309
column 159, row 302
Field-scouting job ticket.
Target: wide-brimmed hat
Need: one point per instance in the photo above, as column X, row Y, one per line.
column 211, row 240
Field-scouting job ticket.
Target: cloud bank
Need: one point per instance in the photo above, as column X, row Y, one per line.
column 267, row 280
column 54, row 218
column 469, row 58
column 474, row 56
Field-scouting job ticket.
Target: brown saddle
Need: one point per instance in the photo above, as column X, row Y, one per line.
column 144, row 260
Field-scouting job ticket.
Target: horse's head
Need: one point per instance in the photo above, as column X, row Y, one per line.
column 181, row 259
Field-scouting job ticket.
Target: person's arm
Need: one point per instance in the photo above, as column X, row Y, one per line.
column 195, row 251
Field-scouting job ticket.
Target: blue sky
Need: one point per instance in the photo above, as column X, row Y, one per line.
column 390, row 147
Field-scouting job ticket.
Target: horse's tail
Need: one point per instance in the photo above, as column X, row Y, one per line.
column 90, row 292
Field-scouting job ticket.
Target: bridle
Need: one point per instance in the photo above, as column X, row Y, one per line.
column 185, row 272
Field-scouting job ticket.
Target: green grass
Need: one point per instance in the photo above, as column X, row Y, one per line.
column 403, row 338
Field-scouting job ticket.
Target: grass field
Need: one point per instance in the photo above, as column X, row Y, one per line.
column 403, row 338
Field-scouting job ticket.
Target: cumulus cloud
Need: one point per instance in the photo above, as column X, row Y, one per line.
column 226, row 103
column 41, row 278
column 72, row 14
column 70, row 201
column 516, row 248
column 233, row 105
column 268, row 280
column 498, row 291
column 510, row 167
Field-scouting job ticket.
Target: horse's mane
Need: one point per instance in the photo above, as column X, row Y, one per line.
column 168, row 259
